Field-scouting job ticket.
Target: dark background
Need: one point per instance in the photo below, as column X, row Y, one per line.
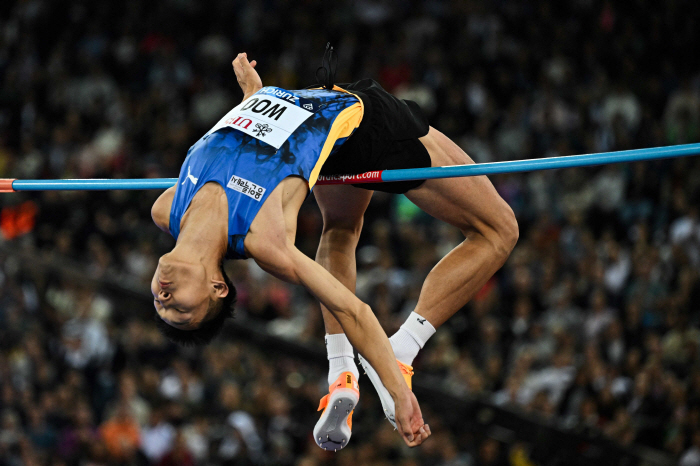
column 591, row 328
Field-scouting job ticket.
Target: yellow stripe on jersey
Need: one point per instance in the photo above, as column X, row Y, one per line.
column 343, row 126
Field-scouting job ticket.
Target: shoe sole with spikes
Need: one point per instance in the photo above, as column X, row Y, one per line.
column 384, row 396
column 332, row 431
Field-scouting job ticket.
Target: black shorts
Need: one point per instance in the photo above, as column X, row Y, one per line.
column 386, row 139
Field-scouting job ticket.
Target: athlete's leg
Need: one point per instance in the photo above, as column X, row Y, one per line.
column 491, row 231
column 472, row 205
column 488, row 223
column 343, row 209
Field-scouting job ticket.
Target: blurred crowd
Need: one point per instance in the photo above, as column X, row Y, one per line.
column 592, row 323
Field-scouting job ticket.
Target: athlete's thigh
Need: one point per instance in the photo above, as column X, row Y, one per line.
column 468, row 202
column 342, row 205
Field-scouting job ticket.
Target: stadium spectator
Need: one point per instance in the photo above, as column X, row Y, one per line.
column 592, row 324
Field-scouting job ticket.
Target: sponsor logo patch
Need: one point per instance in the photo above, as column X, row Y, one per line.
column 262, row 129
column 246, row 187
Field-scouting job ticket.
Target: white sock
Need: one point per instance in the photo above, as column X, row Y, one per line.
column 411, row 337
column 341, row 357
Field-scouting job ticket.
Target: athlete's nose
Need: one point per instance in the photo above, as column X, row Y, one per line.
column 163, row 295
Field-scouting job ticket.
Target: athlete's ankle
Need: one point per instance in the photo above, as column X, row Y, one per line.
column 341, row 357
column 411, row 338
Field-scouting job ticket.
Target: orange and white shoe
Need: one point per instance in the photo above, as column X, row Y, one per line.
column 334, row 429
column 384, row 396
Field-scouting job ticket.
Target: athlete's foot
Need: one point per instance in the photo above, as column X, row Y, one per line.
column 384, row 396
column 334, row 429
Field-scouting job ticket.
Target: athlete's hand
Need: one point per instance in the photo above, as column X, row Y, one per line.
column 247, row 77
column 409, row 420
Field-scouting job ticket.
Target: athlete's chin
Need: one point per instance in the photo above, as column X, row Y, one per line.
column 167, row 269
column 166, row 264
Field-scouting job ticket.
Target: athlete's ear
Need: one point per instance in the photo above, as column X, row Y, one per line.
column 220, row 288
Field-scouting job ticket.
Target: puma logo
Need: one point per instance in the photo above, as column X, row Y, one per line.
column 420, row 321
column 349, row 378
column 190, row 177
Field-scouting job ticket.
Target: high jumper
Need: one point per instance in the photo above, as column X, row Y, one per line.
column 238, row 196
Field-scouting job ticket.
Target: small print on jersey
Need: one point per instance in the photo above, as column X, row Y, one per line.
column 246, row 187
column 289, row 97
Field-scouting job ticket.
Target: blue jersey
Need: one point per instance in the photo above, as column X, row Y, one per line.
column 271, row 135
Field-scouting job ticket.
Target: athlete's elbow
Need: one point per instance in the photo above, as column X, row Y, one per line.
column 274, row 260
column 281, row 268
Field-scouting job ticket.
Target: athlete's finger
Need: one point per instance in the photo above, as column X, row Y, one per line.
column 253, row 63
column 418, row 431
column 406, row 434
column 237, row 64
column 417, row 440
column 412, row 439
column 423, row 434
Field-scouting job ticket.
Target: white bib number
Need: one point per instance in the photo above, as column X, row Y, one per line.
column 265, row 117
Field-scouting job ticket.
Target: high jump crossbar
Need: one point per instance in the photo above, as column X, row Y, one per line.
column 492, row 168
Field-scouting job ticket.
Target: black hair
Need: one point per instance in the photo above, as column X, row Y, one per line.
column 205, row 333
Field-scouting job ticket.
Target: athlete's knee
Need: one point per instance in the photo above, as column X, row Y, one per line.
column 500, row 230
column 340, row 236
column 342, row 229
column 512, row 230
column 507, row 231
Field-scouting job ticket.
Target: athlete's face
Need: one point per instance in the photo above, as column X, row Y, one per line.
column 181, row 293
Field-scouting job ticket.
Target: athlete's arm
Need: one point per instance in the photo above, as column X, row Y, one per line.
column 357, row 319
column 247, row 77
column 271, row 245
column 160, row 212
